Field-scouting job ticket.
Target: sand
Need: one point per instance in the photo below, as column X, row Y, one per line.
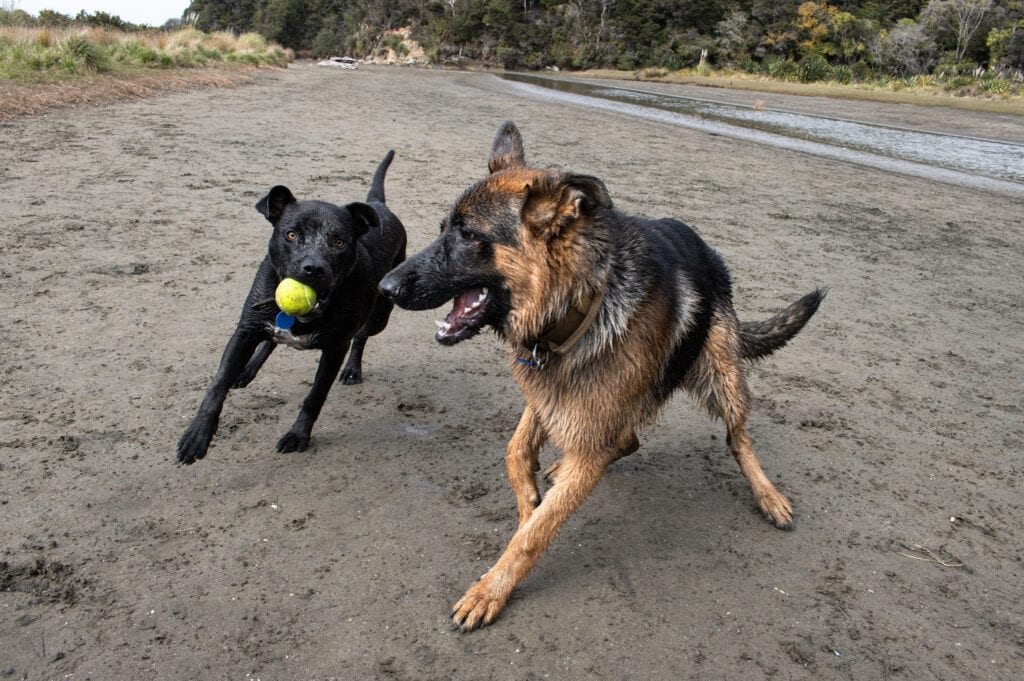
column 893, row 421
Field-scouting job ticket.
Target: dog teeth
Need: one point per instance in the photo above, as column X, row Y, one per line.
column 483, row 296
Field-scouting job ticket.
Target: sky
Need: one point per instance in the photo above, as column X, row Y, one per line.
column 150, row 12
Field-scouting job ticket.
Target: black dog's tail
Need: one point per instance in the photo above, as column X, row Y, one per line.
column 760, row 339
column 376, row 192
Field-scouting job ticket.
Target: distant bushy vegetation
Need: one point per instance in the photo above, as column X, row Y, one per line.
column 56, row 46
column 841, row 40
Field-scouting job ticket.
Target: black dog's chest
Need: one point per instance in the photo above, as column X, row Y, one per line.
column 295, row 338
column 326, row 331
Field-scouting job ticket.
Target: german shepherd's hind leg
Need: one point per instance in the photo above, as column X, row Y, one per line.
column 578, row 474
column 718, row 382
column 522, row 465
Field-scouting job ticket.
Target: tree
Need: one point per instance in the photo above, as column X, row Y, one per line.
column 905, row 49
column 851, row 36
column 961, row 17
column 47, row 17
column 736, row 35
column 1006, row 45
column 813, row 25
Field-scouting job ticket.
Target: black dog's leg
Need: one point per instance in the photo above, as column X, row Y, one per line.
column 297, row 439
column 353, row 371
column 196, row 440
column 255, row 364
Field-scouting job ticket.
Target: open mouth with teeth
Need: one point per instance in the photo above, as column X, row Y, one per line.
column 468, row 316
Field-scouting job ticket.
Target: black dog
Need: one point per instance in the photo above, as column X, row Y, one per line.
column 341, row 252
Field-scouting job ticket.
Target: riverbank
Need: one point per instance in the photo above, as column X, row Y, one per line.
column 928, row 97
column 132, row 239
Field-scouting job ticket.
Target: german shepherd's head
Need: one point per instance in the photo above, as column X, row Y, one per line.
column 516, row 250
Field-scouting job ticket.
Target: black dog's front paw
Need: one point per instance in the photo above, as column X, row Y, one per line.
column 351, row 375
column 194, row 442
column 293, row 442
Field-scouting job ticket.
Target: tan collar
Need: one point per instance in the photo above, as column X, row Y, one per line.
column 561, row 336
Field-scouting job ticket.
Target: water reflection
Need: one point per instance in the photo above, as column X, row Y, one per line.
column 948, row 158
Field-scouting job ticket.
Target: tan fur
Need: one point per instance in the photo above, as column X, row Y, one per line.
column 592, row 400
column 717, row 383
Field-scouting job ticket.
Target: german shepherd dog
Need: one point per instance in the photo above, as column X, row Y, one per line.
column 605, row 315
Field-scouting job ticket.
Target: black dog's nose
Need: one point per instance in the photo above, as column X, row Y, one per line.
column 312, row 269
column 390, row 286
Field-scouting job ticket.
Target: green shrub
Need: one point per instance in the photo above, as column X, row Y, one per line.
column 750, row 66
column 78, row 53
column 861, row 71
column 782, row 69
column 627, row 61
column 148, row 56
column 509, row 57
column 841, row 74
column 996, row 86
column 959, row 82
column 812, row 68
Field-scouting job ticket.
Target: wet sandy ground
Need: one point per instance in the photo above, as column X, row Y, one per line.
column 893, row 421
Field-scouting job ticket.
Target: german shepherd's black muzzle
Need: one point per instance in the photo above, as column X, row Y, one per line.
column 450, row 269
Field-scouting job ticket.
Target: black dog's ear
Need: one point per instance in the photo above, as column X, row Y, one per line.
column 507, row 150
column 556, row 201
column 364, row 218
column 273, row 204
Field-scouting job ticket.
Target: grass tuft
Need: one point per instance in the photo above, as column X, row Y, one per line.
column 47, row 54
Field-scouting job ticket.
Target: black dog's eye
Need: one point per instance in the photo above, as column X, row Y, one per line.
column 291, row 235
column 339, row 243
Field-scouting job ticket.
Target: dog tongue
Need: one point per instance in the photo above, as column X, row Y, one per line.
column 464, row 308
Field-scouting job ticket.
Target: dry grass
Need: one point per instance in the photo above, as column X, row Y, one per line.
column 44, row 68
column 47, row 54
column 20, row 98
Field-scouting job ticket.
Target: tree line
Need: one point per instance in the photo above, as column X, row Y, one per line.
column 790, row 39
column 900, row 37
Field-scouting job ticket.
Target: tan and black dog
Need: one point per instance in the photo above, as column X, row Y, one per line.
column 606, row 314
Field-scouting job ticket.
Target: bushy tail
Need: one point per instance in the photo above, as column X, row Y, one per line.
column 376, row 192
column 760, row 339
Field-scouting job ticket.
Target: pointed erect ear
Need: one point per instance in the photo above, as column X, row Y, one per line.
column 507, row 150
column 273, row 204
column 557, row 201
column 364, row 218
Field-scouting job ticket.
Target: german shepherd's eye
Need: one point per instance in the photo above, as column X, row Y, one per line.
column 468, row 234
column 291, row 235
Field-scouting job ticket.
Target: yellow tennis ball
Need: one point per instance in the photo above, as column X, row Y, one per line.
column 294, row 297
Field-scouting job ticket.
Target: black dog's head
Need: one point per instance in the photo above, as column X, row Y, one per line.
column 506, row 244
column 314, row 241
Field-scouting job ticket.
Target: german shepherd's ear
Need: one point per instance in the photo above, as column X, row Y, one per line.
column 273, row 204
column 556, row 201
column 364, row 217
column 507, row 150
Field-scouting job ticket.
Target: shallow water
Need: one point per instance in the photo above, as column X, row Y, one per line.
column 967, row 161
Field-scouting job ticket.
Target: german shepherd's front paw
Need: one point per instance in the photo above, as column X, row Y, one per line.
column 293, row 442
column 777, row 509
column 479, row 607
